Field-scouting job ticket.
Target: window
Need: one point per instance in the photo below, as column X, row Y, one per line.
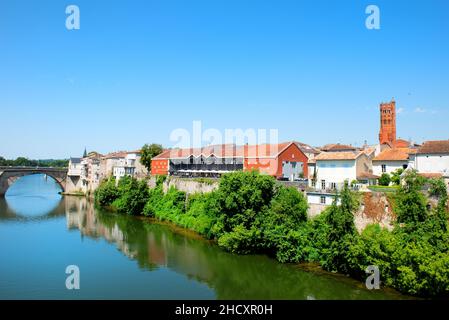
column 323, row 200
column 404, row 166
column 384, row 168
column 313, row 183
column 333, row 185
column 323, row 184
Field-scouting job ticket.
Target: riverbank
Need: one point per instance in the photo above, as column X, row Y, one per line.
column 310, row 267
column 249, row 213
column 159, row 259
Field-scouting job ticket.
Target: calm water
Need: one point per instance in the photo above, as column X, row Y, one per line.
column 124, row 257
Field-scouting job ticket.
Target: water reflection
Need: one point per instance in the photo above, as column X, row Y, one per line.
column 170, row 263
column 32, row 198
column 230, row 276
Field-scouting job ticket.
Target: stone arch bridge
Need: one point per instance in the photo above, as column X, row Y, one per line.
column 8, row 175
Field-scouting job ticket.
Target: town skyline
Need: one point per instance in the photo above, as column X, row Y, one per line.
column 318, row 76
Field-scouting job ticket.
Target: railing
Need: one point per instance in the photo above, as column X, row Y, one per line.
column 204, row 167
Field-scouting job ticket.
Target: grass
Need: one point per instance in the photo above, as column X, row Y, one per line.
column 391, row 189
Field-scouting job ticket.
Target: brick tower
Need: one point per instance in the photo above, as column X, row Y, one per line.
column 387, row 134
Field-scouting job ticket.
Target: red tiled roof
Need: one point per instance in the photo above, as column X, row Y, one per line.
column 135, row 151
column 341, row 155
column 118, row 154
column 401, row 143
column 368, row 151
column 432, row 147
column 227, row 150
column 396, row 154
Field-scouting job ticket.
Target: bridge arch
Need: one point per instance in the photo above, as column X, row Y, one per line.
column 9, row 175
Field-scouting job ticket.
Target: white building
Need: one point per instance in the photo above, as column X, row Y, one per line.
column 333, row 169
column 120, row 164
column 74, row 183
column 432, row 159
column 390, row 160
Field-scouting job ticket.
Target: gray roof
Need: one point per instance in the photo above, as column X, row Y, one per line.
column 75, row 160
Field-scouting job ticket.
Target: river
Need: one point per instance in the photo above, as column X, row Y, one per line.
column 123, row 257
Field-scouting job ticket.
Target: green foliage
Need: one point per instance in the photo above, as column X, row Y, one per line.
column 25, row 162
column 396, row 176
column 384, row 189
column 242, row 196
column 250, row 213
column 289, row 207
column 133, row 196
column 410, row 202
column 127, row 196
column 148, row 152
column 384, row 179
column 107, row 192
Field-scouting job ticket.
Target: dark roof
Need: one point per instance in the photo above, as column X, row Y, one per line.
column 430, row 147
column 338, row 147
column 75, row 160
column 305, row 148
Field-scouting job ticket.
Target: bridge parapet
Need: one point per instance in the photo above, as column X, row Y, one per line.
column 8, row 175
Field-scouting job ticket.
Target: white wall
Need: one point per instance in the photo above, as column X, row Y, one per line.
column 335, row 171
column 316, row 199
column 74, row 169
column 391, row 166
column 432, row 163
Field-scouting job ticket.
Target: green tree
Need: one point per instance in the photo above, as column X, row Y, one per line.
column 342, row 231
column 242, row 195
column 133, row 196
column 106, row 192
column 148, row 152
column 396, row 176
column 411, row 203
column 384, row 179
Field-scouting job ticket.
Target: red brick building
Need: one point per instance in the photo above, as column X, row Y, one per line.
column 282, row 161
column 387, row 134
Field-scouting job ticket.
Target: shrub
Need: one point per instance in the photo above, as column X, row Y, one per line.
column 396, row 176
column 107, row 192
column 384, row 179
column 133, row 197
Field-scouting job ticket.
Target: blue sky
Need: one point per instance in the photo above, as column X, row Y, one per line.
column 136, row 70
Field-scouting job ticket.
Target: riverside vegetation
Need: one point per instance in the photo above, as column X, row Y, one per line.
column 251, row 213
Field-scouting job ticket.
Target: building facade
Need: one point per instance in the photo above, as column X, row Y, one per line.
column 282, row 161
column 334, row 169
column 390, row 160
column 432, row 159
